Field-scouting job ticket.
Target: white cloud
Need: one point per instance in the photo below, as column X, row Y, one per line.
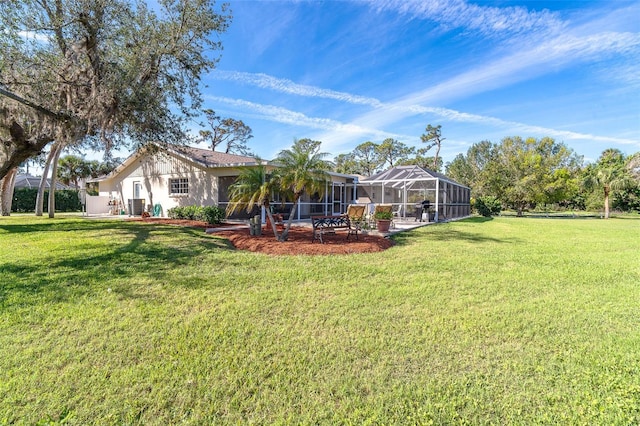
column 369, row 124
column 555, row 54
column 536, row 60
column 265, row 81
column 490, row 21
column 286, row 116
column 533, row 57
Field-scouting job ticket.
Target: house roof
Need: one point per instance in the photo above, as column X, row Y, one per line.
column 400, row 174
column 28, row 181
column 210, row 158
column 203, row 157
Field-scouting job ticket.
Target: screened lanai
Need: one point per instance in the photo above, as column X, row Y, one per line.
column 416, row 193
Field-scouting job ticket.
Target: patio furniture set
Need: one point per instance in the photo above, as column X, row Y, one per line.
column 354, row 220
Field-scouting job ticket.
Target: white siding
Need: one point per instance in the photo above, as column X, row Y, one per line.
column 153, row 172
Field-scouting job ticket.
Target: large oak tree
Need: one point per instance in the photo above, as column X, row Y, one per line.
column 101, row 71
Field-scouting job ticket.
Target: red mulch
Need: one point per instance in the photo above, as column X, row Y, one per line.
column 299, row 242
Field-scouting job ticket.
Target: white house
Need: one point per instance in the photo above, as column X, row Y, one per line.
column 159, row 177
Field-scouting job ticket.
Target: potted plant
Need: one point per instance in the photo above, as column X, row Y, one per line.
column 383, row 221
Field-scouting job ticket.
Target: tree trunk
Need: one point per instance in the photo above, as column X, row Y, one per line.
column 285, row 233
column 6, row 191
column 435, row 159
column 20, row 148
column 52, row 186
column 606, row 202
column 43, row 181
column 267, row 208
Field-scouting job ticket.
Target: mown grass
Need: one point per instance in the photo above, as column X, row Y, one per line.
column 509, row 320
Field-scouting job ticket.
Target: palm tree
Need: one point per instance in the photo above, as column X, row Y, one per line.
column 71, row 169
column 253, row 187
column 302, row 169
column 610, row 174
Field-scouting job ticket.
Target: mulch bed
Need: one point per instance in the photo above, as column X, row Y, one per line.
column 300, row 239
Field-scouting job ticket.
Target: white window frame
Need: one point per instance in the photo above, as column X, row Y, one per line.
column 182, row 186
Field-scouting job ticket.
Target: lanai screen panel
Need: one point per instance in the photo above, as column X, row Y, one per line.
column 411, row 185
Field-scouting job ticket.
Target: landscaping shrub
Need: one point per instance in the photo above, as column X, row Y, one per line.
column 487, row 206
column 24, row 200
column 175, row 213
column 191, row 212
column 209, row 214
column 212, row 214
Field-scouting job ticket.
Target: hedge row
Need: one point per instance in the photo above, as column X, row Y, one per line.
column 24, row 200
column 209, row 214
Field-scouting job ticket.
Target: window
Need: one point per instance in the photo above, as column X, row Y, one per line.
column 178, row 186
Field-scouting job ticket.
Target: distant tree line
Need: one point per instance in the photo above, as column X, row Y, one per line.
column 369, row 158
column 530, row 173
column 517, row 173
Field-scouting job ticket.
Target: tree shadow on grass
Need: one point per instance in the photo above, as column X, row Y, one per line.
column 38, row 225
column 476, row 219
column 458, row 235
column 73, row 276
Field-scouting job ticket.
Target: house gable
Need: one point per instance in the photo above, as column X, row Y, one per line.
column 161, row 176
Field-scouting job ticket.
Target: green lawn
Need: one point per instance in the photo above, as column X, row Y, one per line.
column 504, row 321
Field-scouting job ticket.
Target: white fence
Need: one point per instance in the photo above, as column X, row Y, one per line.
column 98, row 204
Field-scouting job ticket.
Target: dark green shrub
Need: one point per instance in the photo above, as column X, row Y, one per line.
column 487, row 206
column 68, row 201
column 24, row 200
column 191, row 212
column 209, row 214
column 212, row 214
column 175, row 213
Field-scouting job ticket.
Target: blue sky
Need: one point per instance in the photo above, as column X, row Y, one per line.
column 346, row 72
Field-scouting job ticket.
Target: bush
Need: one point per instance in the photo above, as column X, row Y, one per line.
column 212, row 214
column 24, row 200
column 487, row 206
column 191, row 212
column 174, row 212
column 209, row 214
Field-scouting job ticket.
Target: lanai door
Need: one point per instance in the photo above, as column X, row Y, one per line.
column 338, row 198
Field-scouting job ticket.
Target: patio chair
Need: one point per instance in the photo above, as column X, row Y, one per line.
column 397, row 213
column 355, row 212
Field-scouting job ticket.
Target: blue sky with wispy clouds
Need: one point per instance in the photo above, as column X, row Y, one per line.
column 346, row 72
